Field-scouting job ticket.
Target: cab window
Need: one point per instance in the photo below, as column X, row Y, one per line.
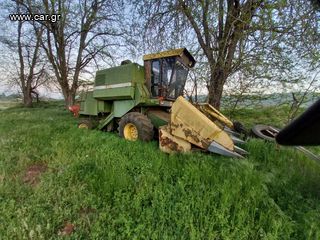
column 155, row 77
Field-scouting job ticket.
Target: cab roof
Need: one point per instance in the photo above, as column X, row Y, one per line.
column 180, row 52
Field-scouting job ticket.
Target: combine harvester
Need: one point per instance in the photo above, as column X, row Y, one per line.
column 137, row 100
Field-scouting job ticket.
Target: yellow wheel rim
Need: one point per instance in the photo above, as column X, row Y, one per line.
column 83, row 125
column 130, row 132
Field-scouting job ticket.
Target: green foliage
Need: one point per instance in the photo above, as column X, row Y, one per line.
column 113, row 189
column 276, row 116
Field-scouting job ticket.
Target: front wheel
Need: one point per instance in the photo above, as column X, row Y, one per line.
column 134, row 126
column 87, row 123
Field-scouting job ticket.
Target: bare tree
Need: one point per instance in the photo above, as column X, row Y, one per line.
column 29, row 68
column 85, row 31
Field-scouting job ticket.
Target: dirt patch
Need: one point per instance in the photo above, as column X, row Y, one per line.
column 33, row 172
column 67, row 229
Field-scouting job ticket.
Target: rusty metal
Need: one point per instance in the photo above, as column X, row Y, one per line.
column 169, row 143
column 193, row 126
column 188, row 123
column 75, row 110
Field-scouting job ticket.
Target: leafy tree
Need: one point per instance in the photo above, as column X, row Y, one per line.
column 259, row 38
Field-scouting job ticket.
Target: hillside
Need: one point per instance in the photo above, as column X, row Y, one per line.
column 57, row 180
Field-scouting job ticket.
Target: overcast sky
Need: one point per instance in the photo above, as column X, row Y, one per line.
column 121, row 53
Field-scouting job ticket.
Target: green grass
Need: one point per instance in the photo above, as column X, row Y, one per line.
column 276, row 116
column 113, row 189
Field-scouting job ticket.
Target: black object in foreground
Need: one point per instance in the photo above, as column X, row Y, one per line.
column 305, row 130
column 269, row 133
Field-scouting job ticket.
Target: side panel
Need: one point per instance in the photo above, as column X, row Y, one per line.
column 104, row 106
column 118, row 82
column 121, row 74
column 91, row 106
column 121, row 89
column 120, row 108
column 88, row 104
column 114, row 93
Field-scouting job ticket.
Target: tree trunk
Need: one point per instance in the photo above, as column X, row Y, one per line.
column 215, row 88
column 27, row 98
column 69, row 97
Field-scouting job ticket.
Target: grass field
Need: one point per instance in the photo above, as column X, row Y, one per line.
column 58, row 181
column 8, row 104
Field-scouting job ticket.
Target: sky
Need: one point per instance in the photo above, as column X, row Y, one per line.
column 121, row 55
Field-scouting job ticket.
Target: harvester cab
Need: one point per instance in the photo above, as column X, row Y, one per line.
column 140, row 101
column 166, row 72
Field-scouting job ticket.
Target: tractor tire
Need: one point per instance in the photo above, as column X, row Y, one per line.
column 136, row 126
column 86, row 123
column 265, row 132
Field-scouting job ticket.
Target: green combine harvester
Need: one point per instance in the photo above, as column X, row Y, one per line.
column 142, row 102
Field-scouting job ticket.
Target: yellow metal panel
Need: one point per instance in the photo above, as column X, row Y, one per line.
column 215, row 114
column 186, row 57
column 169, row 53
column 169, row 143
column 190, row 124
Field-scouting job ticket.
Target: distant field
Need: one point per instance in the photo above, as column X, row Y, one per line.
column 57, row 180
